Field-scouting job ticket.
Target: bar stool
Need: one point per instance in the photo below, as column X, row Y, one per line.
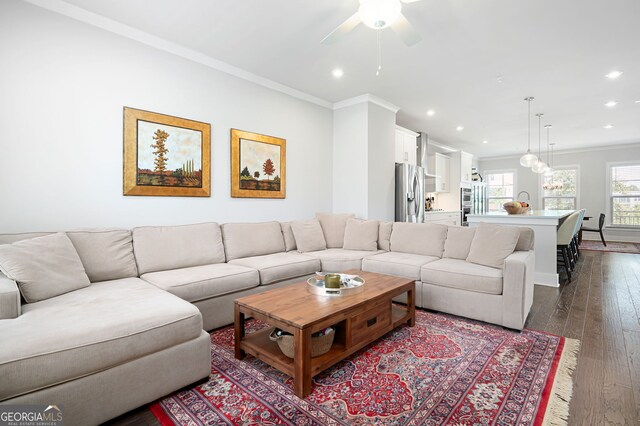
column 598, row 229
column 566, row 234
column 575, row 244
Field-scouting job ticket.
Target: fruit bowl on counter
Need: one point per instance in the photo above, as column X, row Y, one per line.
column 516, row 207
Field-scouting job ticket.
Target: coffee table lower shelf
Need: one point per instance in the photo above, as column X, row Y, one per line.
column 260, row 346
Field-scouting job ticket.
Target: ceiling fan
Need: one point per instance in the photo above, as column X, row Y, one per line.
column 378, row 14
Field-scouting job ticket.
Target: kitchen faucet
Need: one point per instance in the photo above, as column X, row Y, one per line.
column 524, row 192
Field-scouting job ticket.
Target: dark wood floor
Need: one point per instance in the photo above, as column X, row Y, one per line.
column 601, row 307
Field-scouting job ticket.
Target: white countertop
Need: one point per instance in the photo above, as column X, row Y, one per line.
column 441, row 211
column 532, row 214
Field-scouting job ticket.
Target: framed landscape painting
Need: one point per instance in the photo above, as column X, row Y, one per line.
column 258, row 165
column 166, row 155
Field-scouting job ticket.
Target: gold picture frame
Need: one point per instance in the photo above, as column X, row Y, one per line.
column 165, row 155
column 254, row 156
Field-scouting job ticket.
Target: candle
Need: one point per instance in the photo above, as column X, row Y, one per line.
column 332, row 281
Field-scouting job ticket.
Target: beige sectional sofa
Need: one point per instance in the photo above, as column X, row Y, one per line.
column 133, row 331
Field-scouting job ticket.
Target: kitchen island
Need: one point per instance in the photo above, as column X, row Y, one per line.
column 545, row 227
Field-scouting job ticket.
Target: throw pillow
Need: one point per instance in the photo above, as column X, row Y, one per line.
column 361, row 235
column 384, row 235
column 308, row 235
column 333, row 226
column 458, row 242
column 492, row 244
column 43, row 267
column 289, row 239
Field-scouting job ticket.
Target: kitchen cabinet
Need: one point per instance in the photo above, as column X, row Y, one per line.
column 466, row 162
column 452, row 218
column 439, row 165
column 406, row 146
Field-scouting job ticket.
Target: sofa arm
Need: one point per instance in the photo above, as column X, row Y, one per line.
column 517, row 288
column 9, row 298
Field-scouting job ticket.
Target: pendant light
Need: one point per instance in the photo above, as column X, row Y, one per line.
column 528, row 159
column 553, row 185
column 540, row 165
column 549, row 169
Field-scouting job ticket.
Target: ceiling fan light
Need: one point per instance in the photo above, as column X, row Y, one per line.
column 379, row 14
column 528, row 159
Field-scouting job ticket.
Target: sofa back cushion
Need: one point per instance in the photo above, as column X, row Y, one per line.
column 308, row 235
column 43, row 267
column 252, row 239
column 426, row 239
column 160, row 248
column 526, row 239
column 458, row 242
column 106, row 254
column 289, row 239
column 492, row 244
column 361, row 235
column 333, row 226
column 384, row 235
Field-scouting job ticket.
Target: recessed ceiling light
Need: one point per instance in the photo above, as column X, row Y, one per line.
column 337, row 72
column 459, row 128
column 485, row 141
column 614, row 74
column 431, row 112
column 611, row 104
column 608, row 126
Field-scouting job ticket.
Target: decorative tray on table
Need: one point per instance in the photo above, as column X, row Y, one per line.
column 349, row 284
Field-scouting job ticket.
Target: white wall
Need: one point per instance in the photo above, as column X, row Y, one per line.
column 63, row 85
column 381, row 163
column 350, row 177
column 593, row 188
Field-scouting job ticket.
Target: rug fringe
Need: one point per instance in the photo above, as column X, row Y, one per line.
column 557, row 413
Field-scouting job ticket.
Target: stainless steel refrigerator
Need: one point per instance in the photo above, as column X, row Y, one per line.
column 479, row 198
column 410, row 194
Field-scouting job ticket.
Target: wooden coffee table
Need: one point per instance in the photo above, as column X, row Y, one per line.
column 359, row 319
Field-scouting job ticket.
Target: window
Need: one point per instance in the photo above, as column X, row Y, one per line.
column 500, row 188
column 560, row 189
column 625, row 195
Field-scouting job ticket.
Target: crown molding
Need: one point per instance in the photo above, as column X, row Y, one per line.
column 366, row 98
column 567, row 151
column 87, row 17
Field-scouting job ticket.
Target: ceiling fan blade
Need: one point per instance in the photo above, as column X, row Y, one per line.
column 406, row 32
column 345, row 28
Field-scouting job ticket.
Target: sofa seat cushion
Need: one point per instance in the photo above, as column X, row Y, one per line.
column 463, row 275
column 204, row 282
column 90, row 330
column 340, row 260
column 405, row 265
column 280, row 266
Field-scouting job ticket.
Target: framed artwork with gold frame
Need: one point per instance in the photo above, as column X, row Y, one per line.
column 258, row 165
column 165, row 155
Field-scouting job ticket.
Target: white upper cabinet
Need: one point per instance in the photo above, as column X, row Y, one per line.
column 406, row 146
column 466, row 161
column 439, row 165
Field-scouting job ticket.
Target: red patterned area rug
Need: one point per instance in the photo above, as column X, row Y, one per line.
column 613, row 246
column 444, row 371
